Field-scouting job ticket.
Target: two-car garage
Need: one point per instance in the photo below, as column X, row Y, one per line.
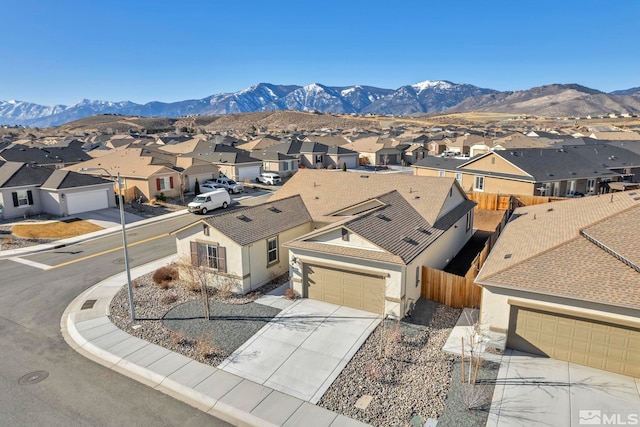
column 362, row 290
column 86, row 201
column 592, row 342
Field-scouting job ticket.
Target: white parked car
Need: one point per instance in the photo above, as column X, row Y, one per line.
column 206, row 202
column 269, row 178
column 209, row 186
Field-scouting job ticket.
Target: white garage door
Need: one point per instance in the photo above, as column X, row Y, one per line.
column 87, row 201
column 249, row 173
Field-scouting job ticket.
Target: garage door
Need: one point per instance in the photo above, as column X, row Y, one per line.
column 87, row 201
column 587, row 342
column 353, row 289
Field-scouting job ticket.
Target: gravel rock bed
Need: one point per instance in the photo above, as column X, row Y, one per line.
column 152, row 303
column 9, row 241
column 468, row 405
column 413, row 376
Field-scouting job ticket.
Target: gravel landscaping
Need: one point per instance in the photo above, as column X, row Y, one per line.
column 173, row 317
column 411, row 379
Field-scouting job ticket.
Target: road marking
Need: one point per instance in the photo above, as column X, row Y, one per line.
column 119, row 248
column 31, row 263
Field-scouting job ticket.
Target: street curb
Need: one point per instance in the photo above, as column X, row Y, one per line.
column 138, row 373
column 10, row 253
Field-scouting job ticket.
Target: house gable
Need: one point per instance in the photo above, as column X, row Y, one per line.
column 494, row 164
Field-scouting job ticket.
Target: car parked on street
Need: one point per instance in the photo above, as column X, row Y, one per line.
column 269, row 178
column 207, row 186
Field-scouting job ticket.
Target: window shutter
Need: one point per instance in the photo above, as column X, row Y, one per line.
column 222, row 259
column 170, row 182
column 30, row 197
column 158, row 184
column 15, row 199
column 194, row 254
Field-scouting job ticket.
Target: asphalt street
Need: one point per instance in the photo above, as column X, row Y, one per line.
column 45, row 382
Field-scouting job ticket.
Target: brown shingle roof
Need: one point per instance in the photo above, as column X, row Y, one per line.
column 258, row 222
column 325, row 192
column 579, row 248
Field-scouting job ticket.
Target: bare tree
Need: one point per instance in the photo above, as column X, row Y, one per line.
column 196, row 278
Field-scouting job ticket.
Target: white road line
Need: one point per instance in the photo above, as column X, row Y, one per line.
column 31, row 263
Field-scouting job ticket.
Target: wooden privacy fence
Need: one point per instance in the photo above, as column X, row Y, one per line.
column 507, row 202
column 460, row 291
column 450, row 289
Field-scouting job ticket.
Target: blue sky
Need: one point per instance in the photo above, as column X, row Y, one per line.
column 60, row 52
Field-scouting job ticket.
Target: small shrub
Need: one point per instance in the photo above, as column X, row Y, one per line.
column 205, row 346
column 291, row 294
column 177, row 338
column 164, row 284
column 165, row 274
column 225, row 287
column 161, row 197
column 395, row 335
column 372, row 371
column 169, row 299
column 137, row 283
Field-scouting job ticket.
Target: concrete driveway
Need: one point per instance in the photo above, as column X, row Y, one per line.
column 107, row 218
column 303, row 349
column 539, row 391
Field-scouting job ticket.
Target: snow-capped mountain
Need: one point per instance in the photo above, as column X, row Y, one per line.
column 425, row 97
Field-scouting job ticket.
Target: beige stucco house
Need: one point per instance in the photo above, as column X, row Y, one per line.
column 245, row 245
column 564, row 281
column 371, row 235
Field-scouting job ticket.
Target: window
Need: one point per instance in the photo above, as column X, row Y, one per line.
column 345, row 234
column 209, row 256
column 293, row 164
column 459, row 178
column 418, row 276
column 571, row 187
column 272, row 250
column 591, row 186
column 469, row 220
column 442, row 174
column 285, row 166
column 164, row 183
column 22, row 198
column 478, row 183
column 266, row 166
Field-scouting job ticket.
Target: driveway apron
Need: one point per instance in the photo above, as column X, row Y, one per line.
column 303, row 349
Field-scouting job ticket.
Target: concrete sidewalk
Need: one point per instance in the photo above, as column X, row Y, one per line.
column 86, row 327
column 84, row 237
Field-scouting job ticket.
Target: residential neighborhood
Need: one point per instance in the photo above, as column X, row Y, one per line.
column 381, row 262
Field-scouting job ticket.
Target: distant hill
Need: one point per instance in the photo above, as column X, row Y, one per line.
column 421, row 98
column 425, row 97
column 556, row 100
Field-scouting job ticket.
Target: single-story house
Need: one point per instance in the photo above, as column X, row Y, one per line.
column 233, row 162
column 316, row 155
column 245, row 245
column 563, row 281
column 372, row 233
column 376, row 150
column 280, row 163
column 27, row 189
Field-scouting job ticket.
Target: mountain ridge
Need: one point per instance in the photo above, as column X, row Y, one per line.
column 429, row 96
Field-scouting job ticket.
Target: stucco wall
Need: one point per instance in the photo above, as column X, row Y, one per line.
column 495, row 309
column 499, row 165
column 246, row 265
column 9, row 211
column 355, row 241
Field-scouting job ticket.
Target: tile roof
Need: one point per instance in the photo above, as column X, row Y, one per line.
column 579, row 248
column 325, row 192
column 259, row 222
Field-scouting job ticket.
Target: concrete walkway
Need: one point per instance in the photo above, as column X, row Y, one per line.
column 86, row 328
column 303, row 349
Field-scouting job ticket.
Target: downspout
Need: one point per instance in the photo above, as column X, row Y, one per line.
column 249, row 258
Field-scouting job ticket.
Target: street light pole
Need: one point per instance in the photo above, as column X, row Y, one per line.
column 132, row 313
column 124, row 237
